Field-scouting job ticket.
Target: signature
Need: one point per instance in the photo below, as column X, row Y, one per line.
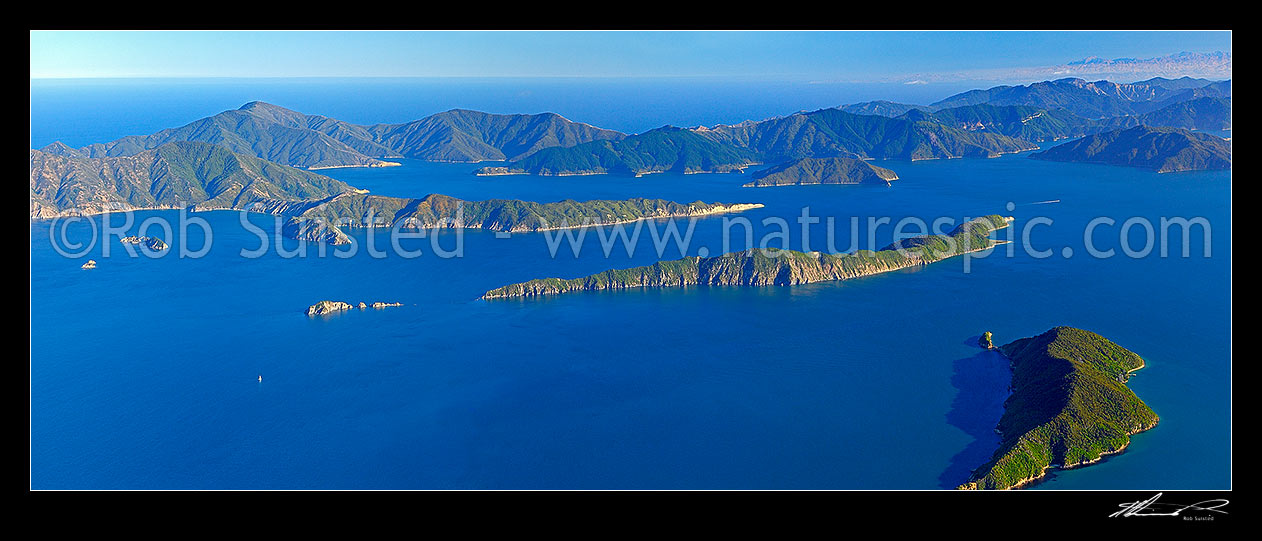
column 1152, row 508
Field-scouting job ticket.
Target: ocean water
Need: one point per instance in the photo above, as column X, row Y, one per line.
column 79, row 112
column 144, row 371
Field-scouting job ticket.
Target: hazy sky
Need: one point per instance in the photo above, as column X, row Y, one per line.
column 823, row 55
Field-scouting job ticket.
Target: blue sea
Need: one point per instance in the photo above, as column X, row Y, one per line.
column 144, row 371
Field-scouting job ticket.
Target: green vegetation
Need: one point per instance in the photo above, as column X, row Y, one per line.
column 280, row 135
column 985, row 341
column 979, row 123
column 662, row 149
column 173, row 175
column 881, row 108
column 322, row 222
column 1031, row 123
column 822, row 171
column 836, row 133
column 152, row 243
column 755, row 267
column 1206, row 113
column 461, row 135
column 825, row 133
column 205, row 176
column 1162, row 150
column 1069, row 406
column 257, row 129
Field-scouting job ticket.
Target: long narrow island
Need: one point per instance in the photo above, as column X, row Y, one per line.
column 321, row 222
column 1069, row 407
column 755, row 267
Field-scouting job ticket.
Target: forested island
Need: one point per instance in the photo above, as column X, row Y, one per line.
column 822, row 171
column 323, row 222
column 1070, row 406
column 1071, row 107
column 756, row 267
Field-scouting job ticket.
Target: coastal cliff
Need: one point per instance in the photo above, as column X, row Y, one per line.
column 1069, row 407
column 755, row 267
column 323, row 222
column 209, row 177
column 151, row 243
column 1164, row 150
column 171, row 176
column 324, row 308
column 315, row 142
column 822, row 171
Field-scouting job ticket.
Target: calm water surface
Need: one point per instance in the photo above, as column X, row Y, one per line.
column 144, row 371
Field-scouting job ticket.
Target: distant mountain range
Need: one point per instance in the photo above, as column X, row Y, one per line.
column 1092, row 100
column 1163, row 150
column 1089, row 100
column 823, row 133
column 664, row 149
column 284, row 136
column 236, row 157
column 761, row 267
column 1038, row 125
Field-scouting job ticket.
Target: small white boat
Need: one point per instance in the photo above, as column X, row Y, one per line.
column 260, row 378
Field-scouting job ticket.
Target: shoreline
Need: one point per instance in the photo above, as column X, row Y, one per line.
column 513, row 172
column 736, row 207
column 367, row 165
column 817, row 255
column 1042, row 476
column 971, row 484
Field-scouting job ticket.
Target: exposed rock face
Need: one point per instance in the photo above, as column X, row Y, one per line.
column 836, row 133
column 314, row 230
column 779, row 267
column 985, row 341
column 822, row 171
column 496, row 172
column 174, row 175
column 209, row 177
column 1069, row 407
column 725, row 148
column 327, row 307
column 152, row 243
column 324, row 222
column 663, row 149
